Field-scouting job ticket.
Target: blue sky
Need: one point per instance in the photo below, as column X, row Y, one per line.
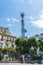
column 10, row 16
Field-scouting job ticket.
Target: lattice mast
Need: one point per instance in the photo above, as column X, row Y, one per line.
column 22, row 24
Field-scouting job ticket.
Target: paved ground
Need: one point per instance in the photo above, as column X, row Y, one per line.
column 17, row 64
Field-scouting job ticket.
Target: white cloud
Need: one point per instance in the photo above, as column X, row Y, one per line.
column 38, row 22
column 9, row 25
column 31, row 18
column 13, row 20
column 8, row 19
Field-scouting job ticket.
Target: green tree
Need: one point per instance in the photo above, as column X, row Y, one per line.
column 9, row 51
column 32, row 44
column 4, row 50
column 17, row 41
column 1, row 56
column 27, row 45
column 40, row 44
column 21, row 44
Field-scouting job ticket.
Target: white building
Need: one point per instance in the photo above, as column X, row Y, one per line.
column 6, row 39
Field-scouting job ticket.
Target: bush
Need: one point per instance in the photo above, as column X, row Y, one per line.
column 20, row 58
column 36, row 58
column 1, row 56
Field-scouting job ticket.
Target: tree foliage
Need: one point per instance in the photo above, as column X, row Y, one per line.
column 40, row 44
column 24, row 46
column 28, row 45
column 1, row 56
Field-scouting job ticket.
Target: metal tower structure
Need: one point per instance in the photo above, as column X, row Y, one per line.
column 22, row 23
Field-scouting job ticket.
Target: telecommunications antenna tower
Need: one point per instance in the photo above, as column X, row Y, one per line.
column 22, row 24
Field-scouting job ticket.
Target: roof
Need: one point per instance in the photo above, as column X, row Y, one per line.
column 8, row 35
column 5, row 33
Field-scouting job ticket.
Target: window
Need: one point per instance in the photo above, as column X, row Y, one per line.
column 2, row 38
column 13, row 39
column 12, row 45
column 10, row 39
column 6, row 44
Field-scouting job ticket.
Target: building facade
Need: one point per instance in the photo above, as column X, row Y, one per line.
column 40, row 36
column 6, row 39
